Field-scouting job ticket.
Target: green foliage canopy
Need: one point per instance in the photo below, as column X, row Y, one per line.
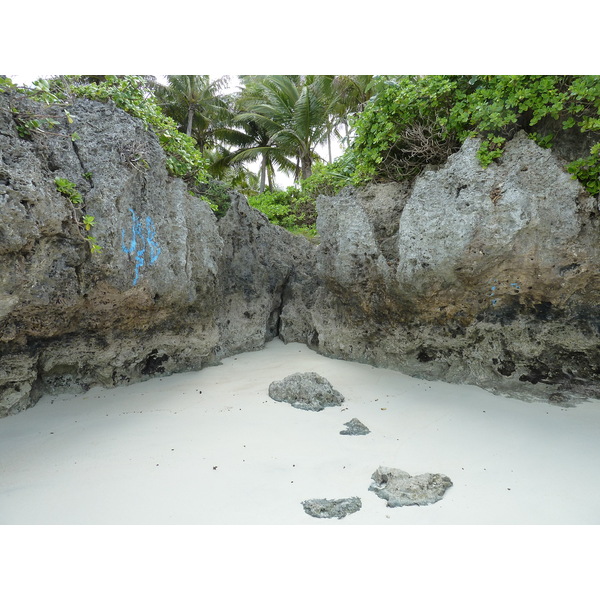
column 401, row 124
column 414, row 121
column 292, row 110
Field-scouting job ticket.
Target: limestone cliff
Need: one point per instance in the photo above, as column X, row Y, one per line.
column 172, row 288
column 484, row 276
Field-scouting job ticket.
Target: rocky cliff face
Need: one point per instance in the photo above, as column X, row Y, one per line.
column 172, row 289
column 485, row 276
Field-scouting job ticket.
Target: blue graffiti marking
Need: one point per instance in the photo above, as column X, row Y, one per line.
column 493, row 288
column 497, row 287
column 145, row 240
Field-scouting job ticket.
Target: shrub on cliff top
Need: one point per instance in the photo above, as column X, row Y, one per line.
column 184, row 158
column 415, row 121
column 289, row 209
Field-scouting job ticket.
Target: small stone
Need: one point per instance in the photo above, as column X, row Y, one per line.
column 307, row 391
column 400, row 489
column 355, row 427
column 328, row 509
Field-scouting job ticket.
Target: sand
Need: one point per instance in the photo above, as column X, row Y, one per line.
column 212, row 448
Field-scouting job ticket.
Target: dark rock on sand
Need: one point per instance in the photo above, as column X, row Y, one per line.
column 329, row 509
column 355, row 427
column 307, row 391
column 400, row 489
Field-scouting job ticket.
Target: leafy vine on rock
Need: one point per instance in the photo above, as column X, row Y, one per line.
column 69, row 190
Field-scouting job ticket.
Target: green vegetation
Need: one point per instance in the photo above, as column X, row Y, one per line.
column 286, row 117
column 391, row 127
column 195, row 101
column 69, row 190
column 184, row 158
column 295, row 208
column 416, row 121
column 292, row 111
column 6, row 84
column 216, row 193
column 289, row 209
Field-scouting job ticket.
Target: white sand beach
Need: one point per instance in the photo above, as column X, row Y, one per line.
column 211, row 447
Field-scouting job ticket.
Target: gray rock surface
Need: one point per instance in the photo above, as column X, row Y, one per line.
column 483, row 276
column 355, row 427
column 332, row 509
column 262, row 268
column 307, row 391
column 398, row 488
column 471, row 275
column 172, row 289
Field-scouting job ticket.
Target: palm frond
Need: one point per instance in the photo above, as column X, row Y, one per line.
column 248, row 154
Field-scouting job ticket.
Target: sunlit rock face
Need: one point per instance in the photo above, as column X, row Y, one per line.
column 172, row 288
column 484, row 276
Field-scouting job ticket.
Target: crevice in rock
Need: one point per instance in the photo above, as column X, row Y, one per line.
column 84, row 171
column 424, row 356
column 313, row 343
column 274, row 322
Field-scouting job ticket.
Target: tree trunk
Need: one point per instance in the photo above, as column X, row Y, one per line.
column 306, row 166
column 263, row 172
column 190, row 120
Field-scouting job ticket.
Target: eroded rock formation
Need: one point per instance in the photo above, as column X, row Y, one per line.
column 355, row 427
column 322, row 508
column 399, row 488
column 484, row 276
column 172, row 288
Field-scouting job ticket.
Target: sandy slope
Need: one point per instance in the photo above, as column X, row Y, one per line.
column 211, row 447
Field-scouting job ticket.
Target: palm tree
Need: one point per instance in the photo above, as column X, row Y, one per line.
column 195, row 103
column 351, row 93
column 292, row 111
column 251, row 142
column 231, row 173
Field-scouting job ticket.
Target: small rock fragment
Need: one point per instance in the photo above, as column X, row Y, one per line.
column 400, row 489
column 328, row 509
column 355, row 427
